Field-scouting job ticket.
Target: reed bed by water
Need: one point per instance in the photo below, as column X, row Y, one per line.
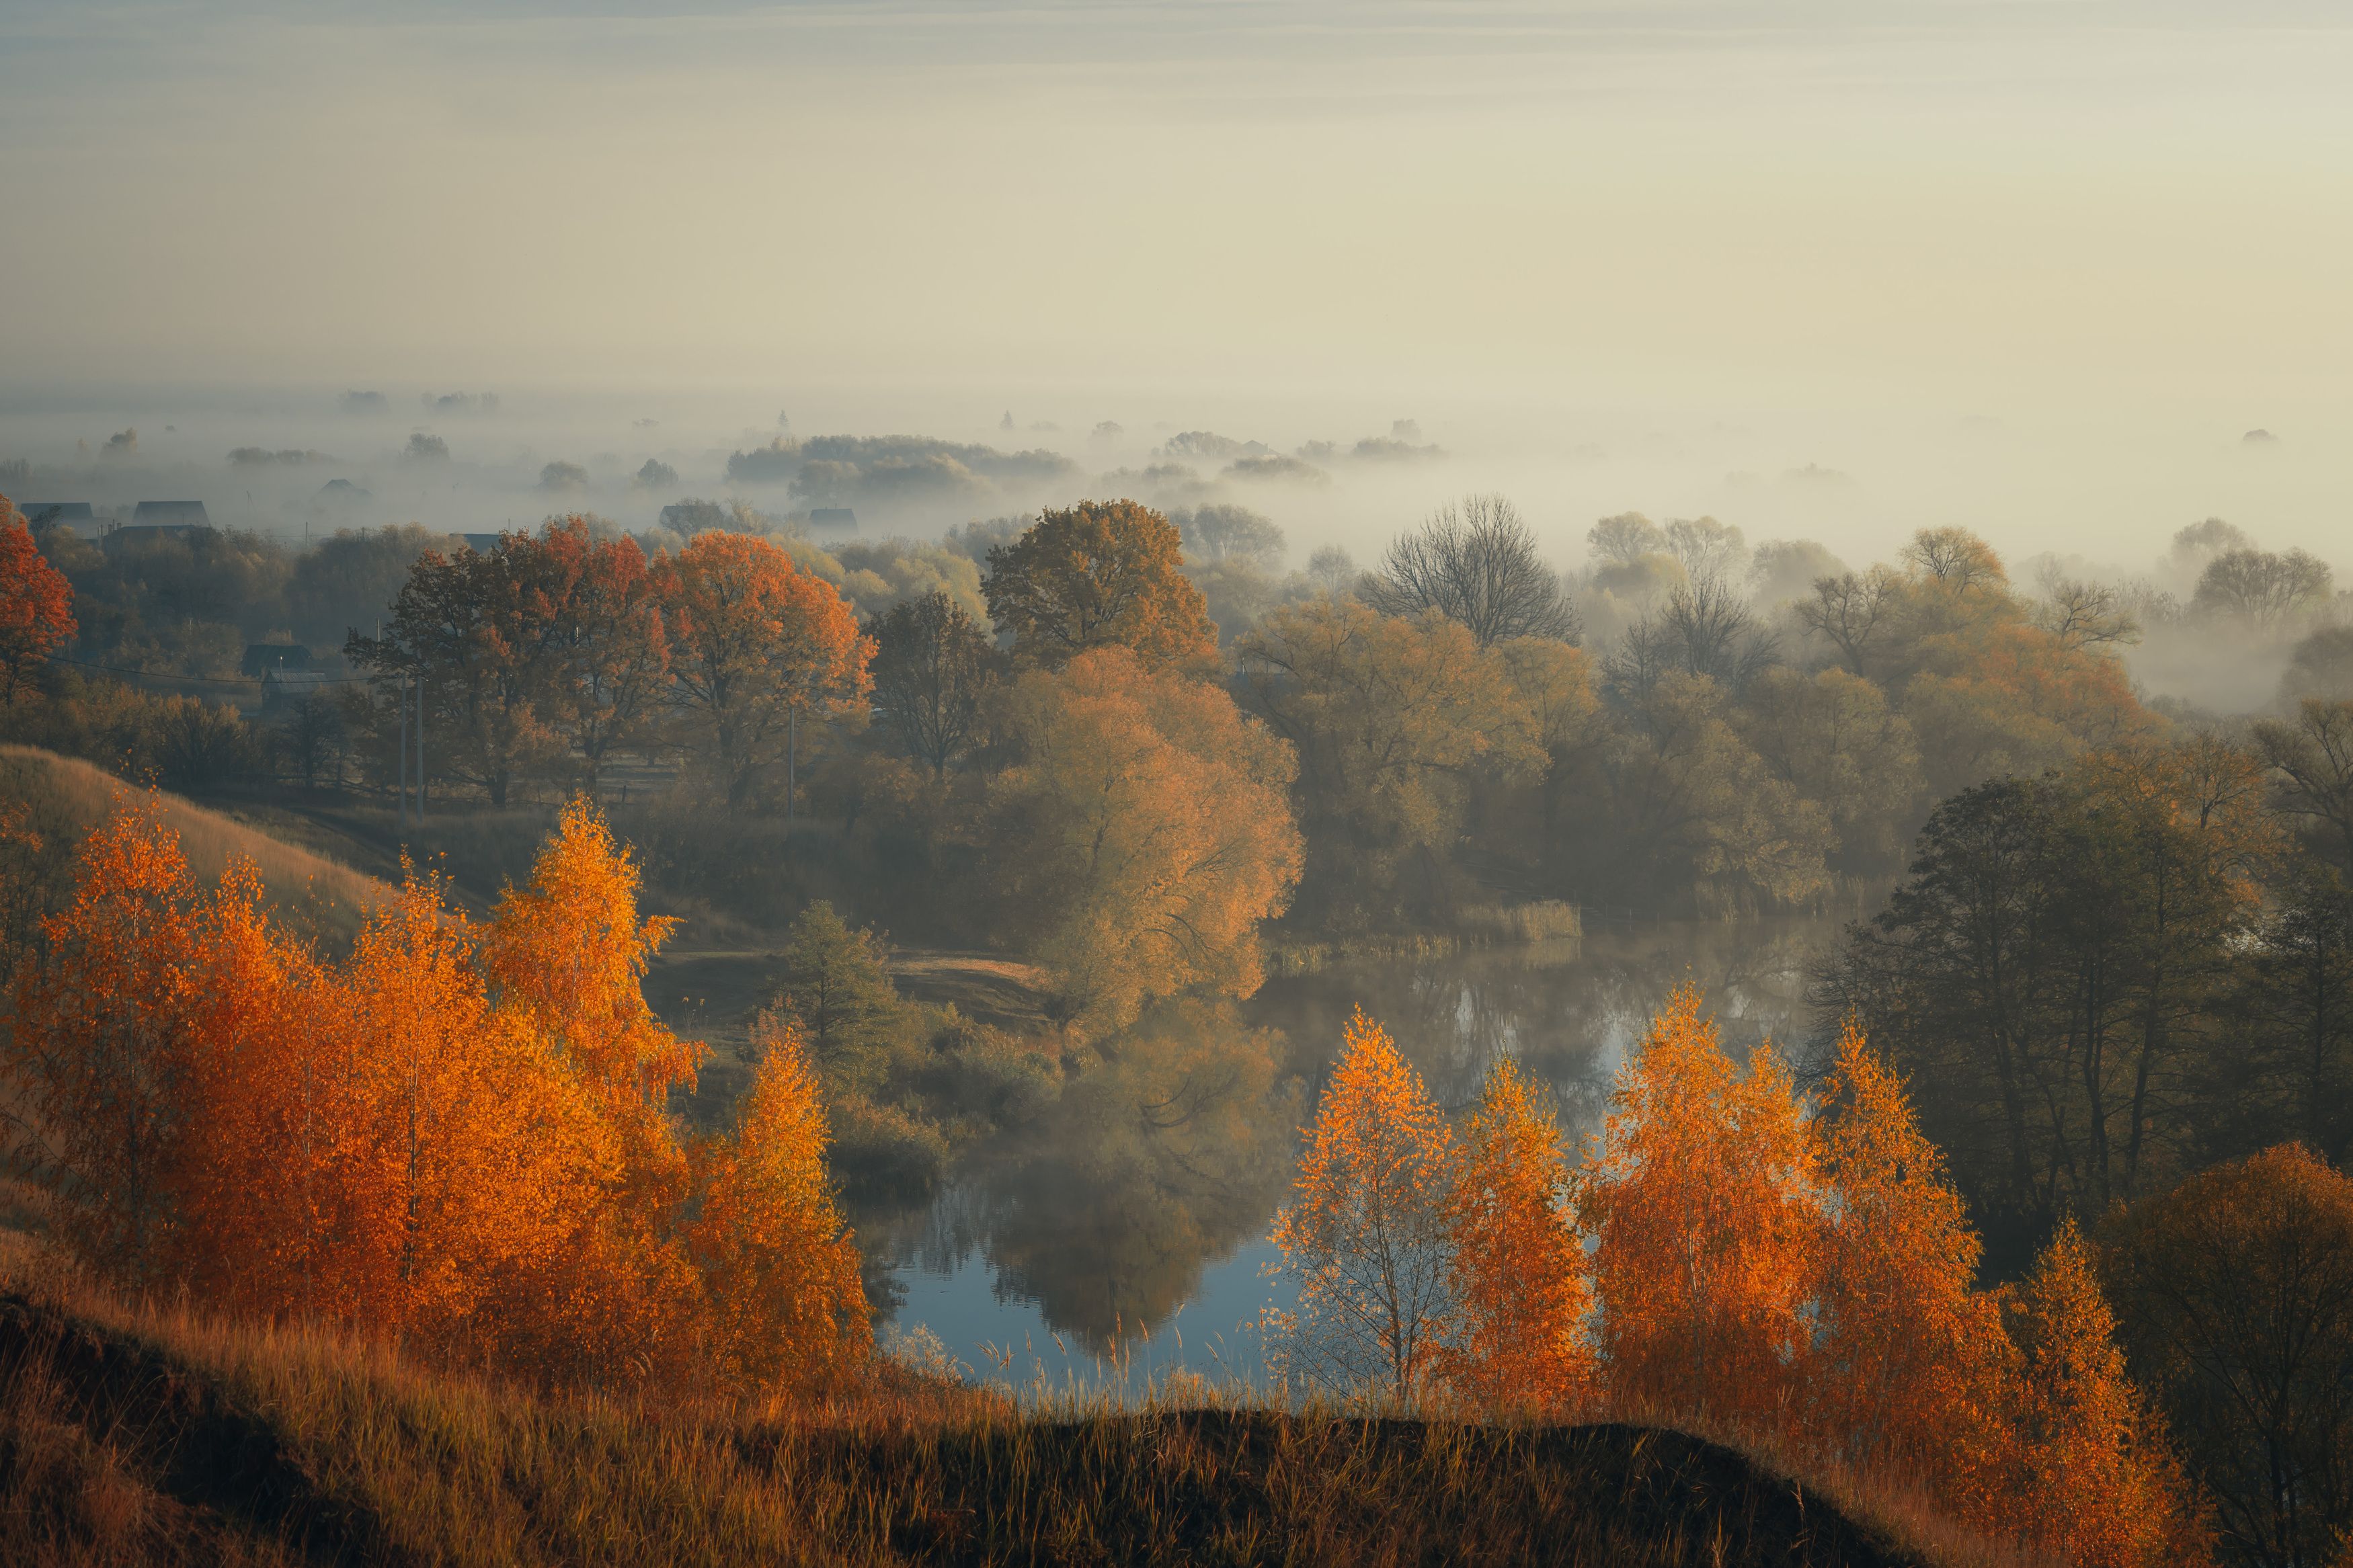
column 1473, row 928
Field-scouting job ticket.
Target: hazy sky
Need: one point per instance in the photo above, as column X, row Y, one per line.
column 2125, row 207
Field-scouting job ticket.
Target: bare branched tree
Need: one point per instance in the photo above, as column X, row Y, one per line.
column 1854, row 612
column 2261, row 588
column 1703, row 629
column 1706, row 548
column 1476, row 563
column 932, row 664
column 2082, row 614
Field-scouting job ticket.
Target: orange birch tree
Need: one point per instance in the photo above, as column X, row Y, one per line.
column 780, row 1269
column 98, row 1050
column 458, row 1138
column 482, row 1151
column 1910, row 1365
column 276, row 1187
column 1518, row 1264
column 567, row 955
column 35, row 604
column 1364, row 1232
column 2092, row 1478
column 1702, row 1198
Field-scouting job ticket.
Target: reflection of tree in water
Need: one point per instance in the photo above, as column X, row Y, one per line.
column 1178, row 1148
column 1158, row 1161
column 1567, row 1012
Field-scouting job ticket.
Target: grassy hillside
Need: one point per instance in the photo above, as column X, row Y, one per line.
column 67, row 796
column 158, row 1439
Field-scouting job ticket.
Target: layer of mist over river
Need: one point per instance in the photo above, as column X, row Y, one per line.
column 1127, row 1236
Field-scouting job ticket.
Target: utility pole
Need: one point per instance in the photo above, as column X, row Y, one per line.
column 420, row 748
column 400, row 807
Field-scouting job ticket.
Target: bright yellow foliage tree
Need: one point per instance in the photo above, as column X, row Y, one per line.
column 475, row 1145
column 780, row 1269
column 98, row 1051
column 1909, row 1367
column 1148, row 826
column 1365, row 1233
column 1702, row 1198
column 459, row 1137
column 2093, row 1478
column 567, row 955
column 1519, row 1277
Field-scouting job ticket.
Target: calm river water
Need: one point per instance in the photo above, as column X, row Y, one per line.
column 1128, row 1237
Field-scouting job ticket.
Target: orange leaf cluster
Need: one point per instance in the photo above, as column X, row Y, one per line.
column 1147, row 820
column 457, row 1136
column 1366, row 1230
column 1799, row 1272
column 36, row 603
column 755, row 644
column 1519, row 1268
column 1701, row 1201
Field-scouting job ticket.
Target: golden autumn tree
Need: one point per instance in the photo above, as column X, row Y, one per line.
column 1365, row 1233
column 484, row 1155
column 779, row 1267
column 97, row 1054
column 1145, row 829
column 1518, row 1264
column 458, row 1138
column 35, row 604
column 2086, row 1433
column 1909, row 1367
column 757, row 647
column 209, row 1106
column 2091, row 1477
column 1702, row 1200
column 279, row 1185
column 1100, row 575
column 567, row 955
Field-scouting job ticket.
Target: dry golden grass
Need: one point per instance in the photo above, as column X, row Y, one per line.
column 131, row 1435
column 320, row 896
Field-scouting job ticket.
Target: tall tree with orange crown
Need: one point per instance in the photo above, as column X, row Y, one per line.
column 1365, row 1233
column 1100, row 575
column 98, row 1054
column 567, row 955
column 484, row 1156
column 277, row 1198
column 779, row 1268
column 458, row 1138
column 35, row 604
column 1909, row 1367
column 1703, row 1201
column 2092, row 1478
column 1518, row 1264
column 756, row 648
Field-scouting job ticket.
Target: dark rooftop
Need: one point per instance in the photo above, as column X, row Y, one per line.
column 162, row 513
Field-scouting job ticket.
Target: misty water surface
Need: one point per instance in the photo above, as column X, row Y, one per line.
column 1128, row 1236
